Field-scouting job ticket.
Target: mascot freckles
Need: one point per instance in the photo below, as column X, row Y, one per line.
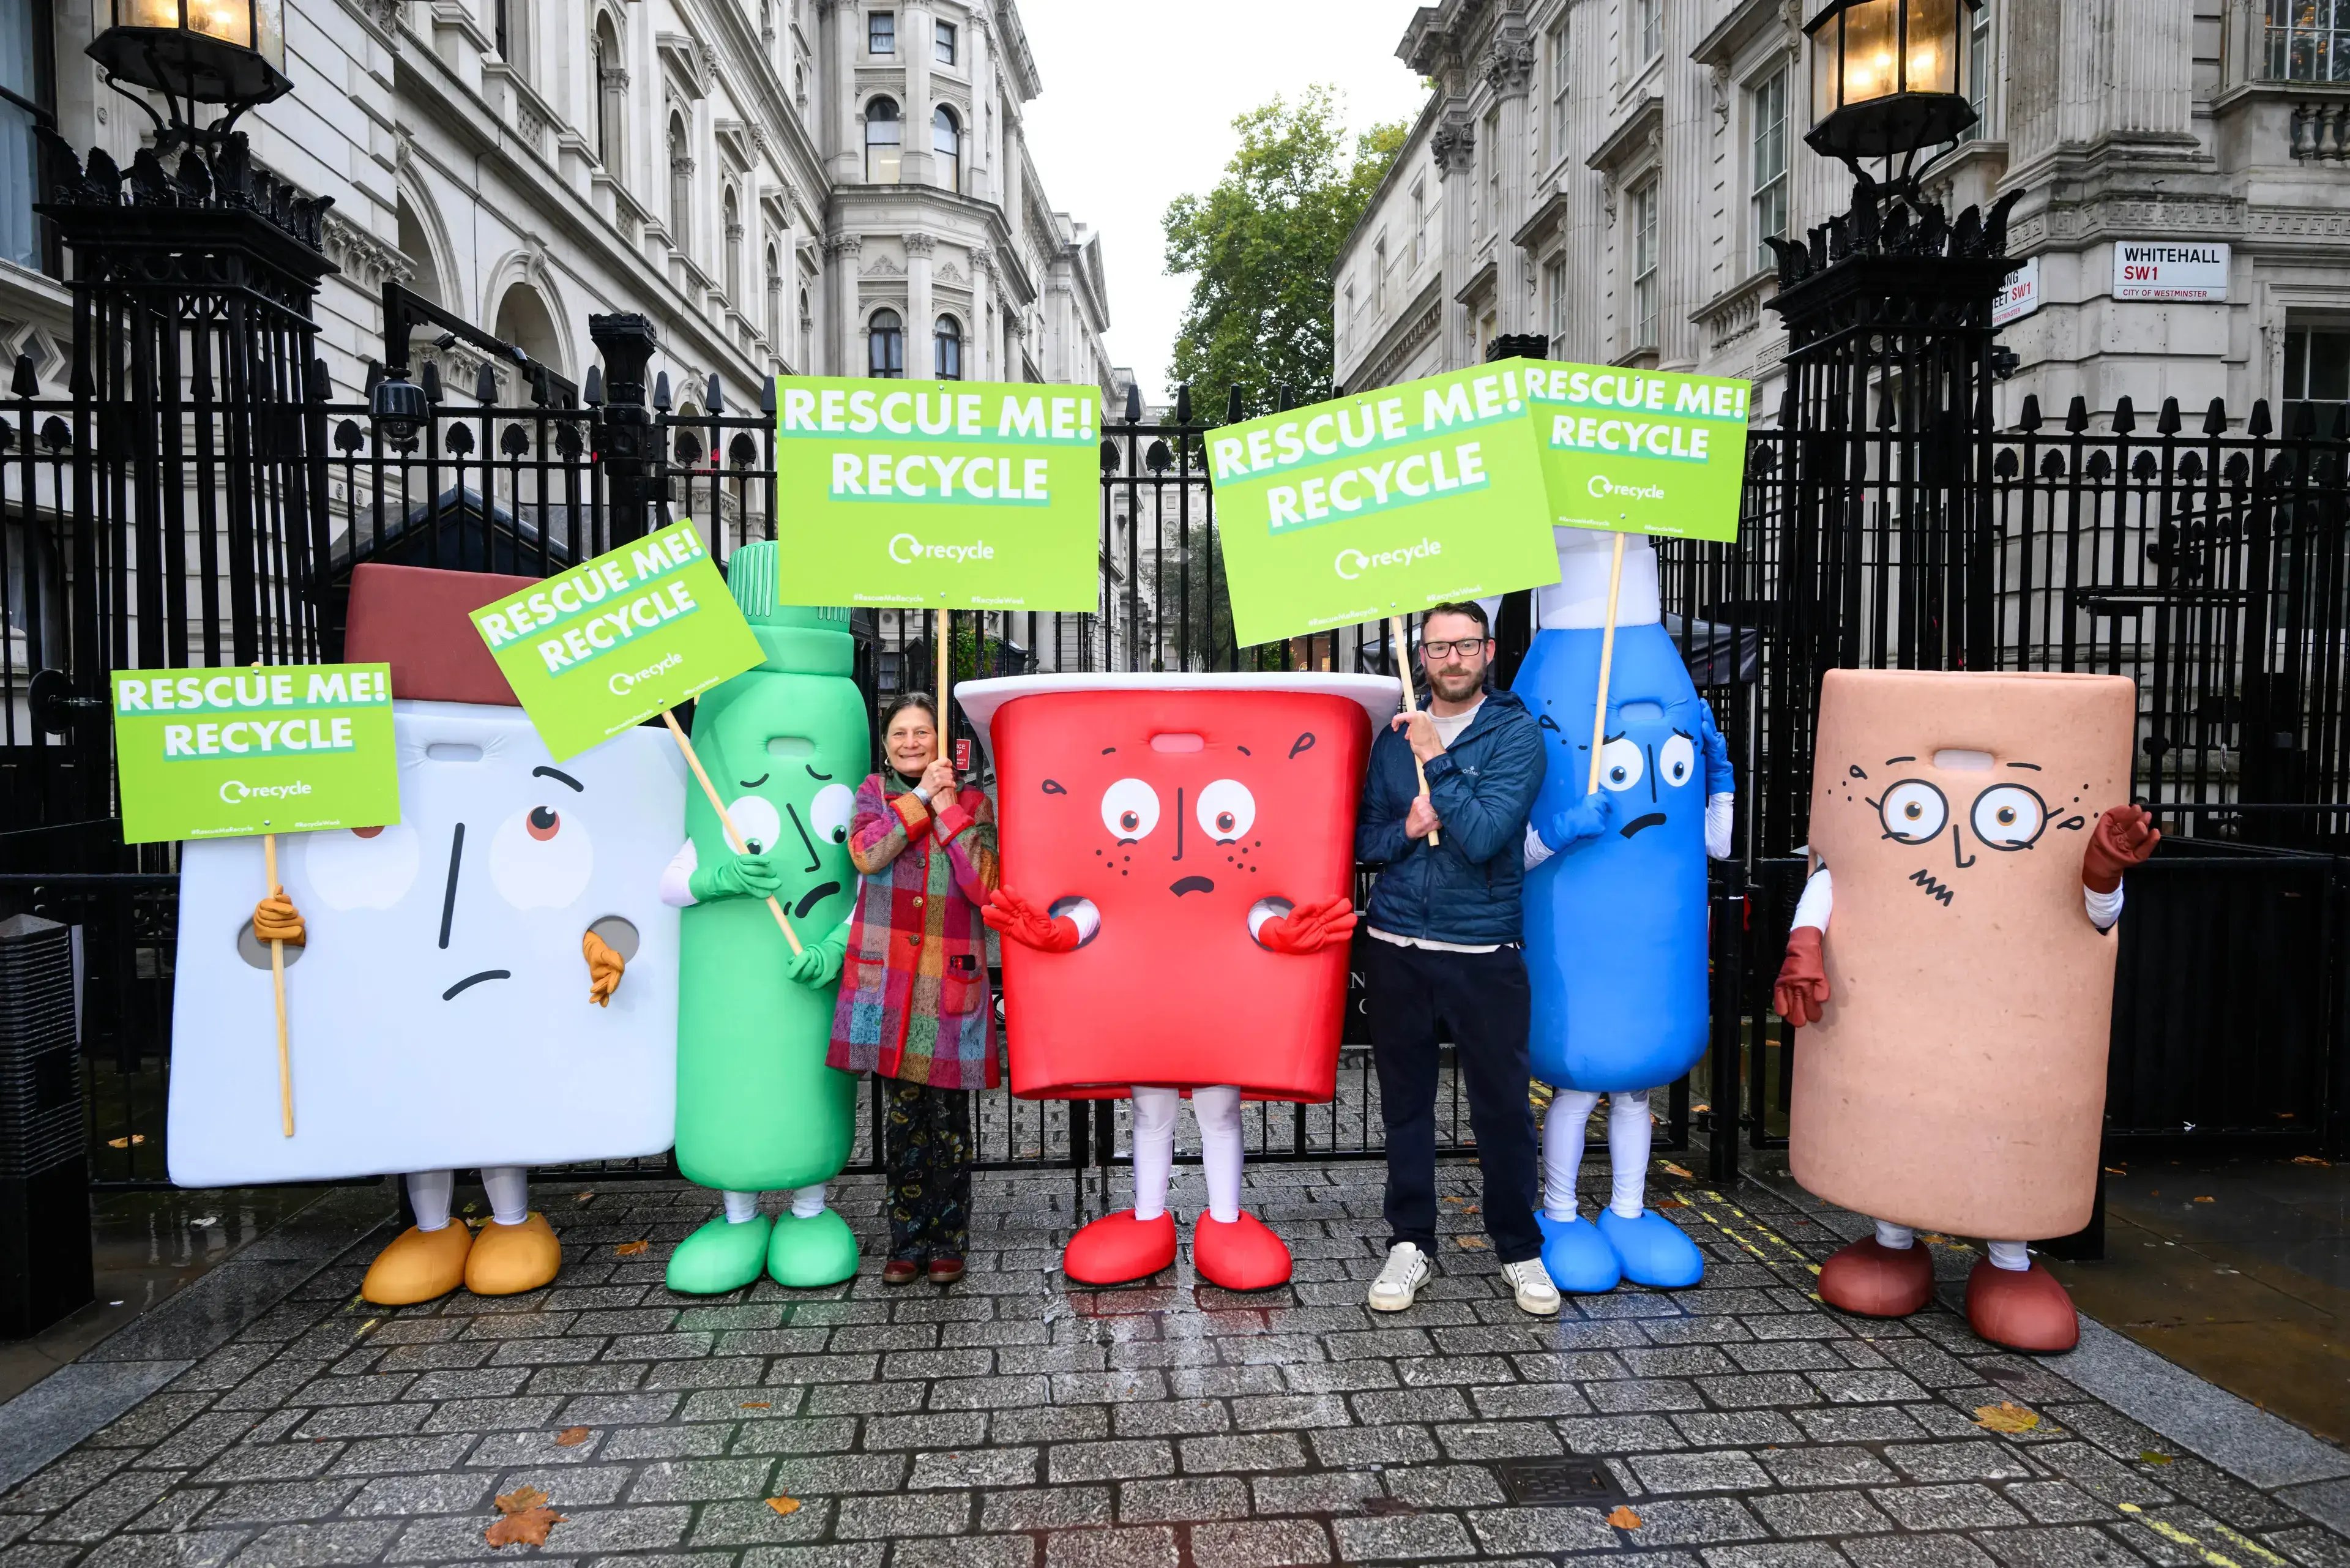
column 1951, row 969
column 1176, row 906
column 490, row 984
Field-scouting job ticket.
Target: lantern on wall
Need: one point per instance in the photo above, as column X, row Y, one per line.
column 227, row 52
column 1888, row 78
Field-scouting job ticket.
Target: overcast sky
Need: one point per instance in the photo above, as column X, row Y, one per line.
column 1138, row 108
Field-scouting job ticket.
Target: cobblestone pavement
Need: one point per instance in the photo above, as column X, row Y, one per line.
column 1011, row 1421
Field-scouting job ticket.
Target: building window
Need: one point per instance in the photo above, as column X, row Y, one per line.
column 1419, row 225
column 732, row 220
column 881, row 33
column 1346, row 316
column 27, row 100
column 1491, row 149
column 775, row 301
column 612, row 91
column 1555, row 295
column 942, row 42
column 946, row 349
column 1766, row 120
column 2309, row 41
column 2316, row 370
column 1644, row 266
column 1979, row 73
column 681, row 184
column 946, row 142
column 885, row 347
column 883, row 135
column 1379, row 276
column 1555, row 124
column 1648, row 31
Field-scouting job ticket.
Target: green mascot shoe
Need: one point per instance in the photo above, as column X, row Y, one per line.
column 720, row 1257
column 817, row 1250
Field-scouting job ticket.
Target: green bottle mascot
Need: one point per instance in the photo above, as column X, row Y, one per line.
column 757, row 1109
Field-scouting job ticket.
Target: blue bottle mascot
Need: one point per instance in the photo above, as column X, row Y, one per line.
column 1615, row 902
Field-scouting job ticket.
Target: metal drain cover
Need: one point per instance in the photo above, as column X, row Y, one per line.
column 1551, row 1481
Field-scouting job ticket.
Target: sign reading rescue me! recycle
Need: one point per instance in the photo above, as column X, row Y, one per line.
column 1383, row 504
column 947, row 494
column 220, row 753
column 608, row 644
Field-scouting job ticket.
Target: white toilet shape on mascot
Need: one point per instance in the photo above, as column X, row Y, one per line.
column 490, row 985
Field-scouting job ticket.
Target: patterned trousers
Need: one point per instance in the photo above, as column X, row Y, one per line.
column 926, row 1140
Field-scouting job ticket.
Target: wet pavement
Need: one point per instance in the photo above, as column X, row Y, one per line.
column 266, row 1416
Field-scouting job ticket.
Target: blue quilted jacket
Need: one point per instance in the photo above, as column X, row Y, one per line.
column 1465, row 890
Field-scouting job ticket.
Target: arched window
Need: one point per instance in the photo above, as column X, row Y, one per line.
column 775, row 301
column 611, row 91
column 680, row 185
column 734, row 214
column 946, row 349
column 807, row 333
column 885, row 347
column 882, row 136
column 946, row 142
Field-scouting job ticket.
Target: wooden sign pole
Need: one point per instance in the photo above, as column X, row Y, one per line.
column 669, row 717
column 946, row 640
column 1402, row 636
column 277, row 983
column 1606, row 661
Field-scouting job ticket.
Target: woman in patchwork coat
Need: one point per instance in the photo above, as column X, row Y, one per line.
column 914, row 1001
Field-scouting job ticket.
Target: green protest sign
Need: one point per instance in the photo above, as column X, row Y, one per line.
column 1641, row 451
column 940, row 495
column 1382, row 504
column 607, row 645
column 223, row 754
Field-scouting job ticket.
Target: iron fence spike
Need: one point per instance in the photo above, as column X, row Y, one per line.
column 2125, row 416
column 592, row 392
column 2029, row 418
column 486, row 385
column 2215, row 417
column 25, row 383
column 2259, row 424
column 2076, row 415
column 660, row 391
column 715, row 403
column 1235, row 409
column 1184, row 404
column 2167, row 421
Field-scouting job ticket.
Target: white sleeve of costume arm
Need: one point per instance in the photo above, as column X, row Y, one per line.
column 1819, row 897
column 2104, row 909
column 1266, row 909
column 676, row 889
column 1084, row 912
column 1720, row 811
column 1536, row 851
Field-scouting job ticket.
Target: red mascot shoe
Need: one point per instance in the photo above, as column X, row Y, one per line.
column 1118, row 1249
column 1876, row 1281
column 1242, row 1255
column 2026, row 1311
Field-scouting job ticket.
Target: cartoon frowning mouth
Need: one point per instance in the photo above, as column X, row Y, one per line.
column 1183, row 885
column 1653, row 819
column 813, row 896
column 472, row 979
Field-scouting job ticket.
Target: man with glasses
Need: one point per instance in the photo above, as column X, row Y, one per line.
column 1444, row 950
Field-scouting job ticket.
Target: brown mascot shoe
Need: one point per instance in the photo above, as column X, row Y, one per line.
column 419, row 1266
column 2022, row 1310
column 1876, row 1281
column 511, row 1259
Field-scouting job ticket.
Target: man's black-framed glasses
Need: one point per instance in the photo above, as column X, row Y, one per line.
column 1445, row 650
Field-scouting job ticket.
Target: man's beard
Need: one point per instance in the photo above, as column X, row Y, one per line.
column 1455, row 685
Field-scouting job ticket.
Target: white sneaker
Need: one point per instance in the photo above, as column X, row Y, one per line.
column 1531, row 1283
column 1404, row 1273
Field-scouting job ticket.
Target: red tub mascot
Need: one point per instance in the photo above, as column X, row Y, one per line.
column 1177, row 861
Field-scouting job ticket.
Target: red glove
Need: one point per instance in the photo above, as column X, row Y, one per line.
column 2124, row 837
column 1018, row 920
column 1309, row 927
column 1802, row 987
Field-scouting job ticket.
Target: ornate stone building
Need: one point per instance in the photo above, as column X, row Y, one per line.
column 1603, row 172
column 825, row 186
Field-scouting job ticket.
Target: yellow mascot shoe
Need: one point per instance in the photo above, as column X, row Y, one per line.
column 508, row 1259
column 419, row 1265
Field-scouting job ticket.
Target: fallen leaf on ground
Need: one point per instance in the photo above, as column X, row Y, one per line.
column 2309, row 1159
column 521, row 1500
column 758, row 1405
column 1449, row 1197
column 583, row 1197
column 787, row 1506
column 571, row 1436
column 1667, row 1203
column 1624, row 1518
column 1699, row 1107
column 1672, row 1169
column 1474, row 1243
column 2207, row 1200
column 2148, row 1456
column 528, row 1528
column 2116, row 1170
column 2007, row 1415
column 630, row 1249
column 125, row 1142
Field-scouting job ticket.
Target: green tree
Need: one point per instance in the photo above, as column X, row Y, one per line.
column 1263, row 244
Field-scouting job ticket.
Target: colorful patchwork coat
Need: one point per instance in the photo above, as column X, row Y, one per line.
column 914, row 998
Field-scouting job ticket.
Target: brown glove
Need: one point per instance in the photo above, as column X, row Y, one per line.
column 1802, row 986
column 2124, row 837
column 276, row 920
column 604, row 968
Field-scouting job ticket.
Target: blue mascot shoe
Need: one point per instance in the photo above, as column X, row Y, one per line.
column 1577, row 1257
column 1652, row 1250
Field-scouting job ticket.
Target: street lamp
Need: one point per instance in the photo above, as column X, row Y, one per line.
column 226, row 51
column 1885, row 77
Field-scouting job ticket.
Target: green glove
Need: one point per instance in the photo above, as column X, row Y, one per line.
column 817, row 965
column 736, row 876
